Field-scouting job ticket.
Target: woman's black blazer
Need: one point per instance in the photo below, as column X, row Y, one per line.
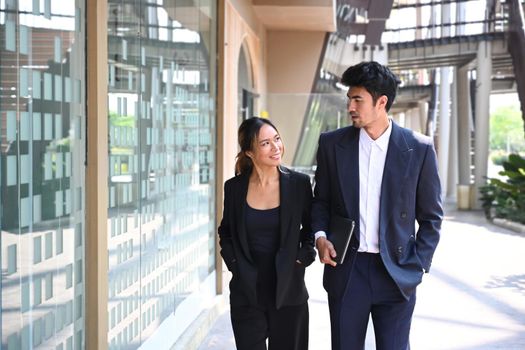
column 296, row 240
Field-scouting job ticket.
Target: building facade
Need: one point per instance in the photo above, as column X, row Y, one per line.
column 118, row 128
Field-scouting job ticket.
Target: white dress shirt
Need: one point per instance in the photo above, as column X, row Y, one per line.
column 372, row 156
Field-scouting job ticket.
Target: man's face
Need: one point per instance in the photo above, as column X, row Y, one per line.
column 362, row 110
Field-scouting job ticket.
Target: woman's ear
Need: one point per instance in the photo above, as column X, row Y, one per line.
column 248, row 154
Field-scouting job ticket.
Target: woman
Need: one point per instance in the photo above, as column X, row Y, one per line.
column 266, row 242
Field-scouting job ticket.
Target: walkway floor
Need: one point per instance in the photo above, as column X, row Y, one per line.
column 473, row 298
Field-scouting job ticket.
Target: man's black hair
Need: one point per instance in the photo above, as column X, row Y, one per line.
column 377, row 79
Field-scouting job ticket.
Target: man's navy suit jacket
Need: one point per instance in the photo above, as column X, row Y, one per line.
column 410, row 193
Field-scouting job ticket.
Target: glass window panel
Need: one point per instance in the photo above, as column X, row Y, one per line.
column 59, row 203
column 58, row 49
column 11, row 126
column 48, row 126
column 11, row 171
column 10, row 35
column 11, row 259
column 47, row 9
column 69, row 276
column 25, row 211
column 78, row 307
column 37, row 208
column 78, row 235
column 48, row 167
column 26, row 338
column 37, row 332
column 164, row 154
column 78, row 272
column 67, row 201
column 49, row 57
column 68, row 164
column 59, row 242
column 24, row 82
column 24, row 126
column 48, row 86
column 37, row 249
column 37, row 126
column 67, row 89
column 37, row 76
column 49, row 245
column 13, row 342
column 37, row 291
column 25, row 296
column 59, row 166
column 49, row 325
column 69, row 312
column 49, row 285
column 58, row 126
column 25, row 169
column 58, row 88
column 36, row 7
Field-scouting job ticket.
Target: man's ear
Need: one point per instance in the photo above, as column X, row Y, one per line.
column 383, row 100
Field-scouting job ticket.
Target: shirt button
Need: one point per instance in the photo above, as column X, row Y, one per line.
column 403, row 214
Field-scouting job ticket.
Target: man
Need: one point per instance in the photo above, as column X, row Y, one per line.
column 385, row 178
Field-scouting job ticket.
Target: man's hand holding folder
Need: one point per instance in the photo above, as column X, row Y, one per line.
column 333, row 249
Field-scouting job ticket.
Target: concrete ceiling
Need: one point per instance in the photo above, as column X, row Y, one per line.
column 311, row 15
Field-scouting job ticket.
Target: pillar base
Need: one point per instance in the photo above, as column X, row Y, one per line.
column 464, row 197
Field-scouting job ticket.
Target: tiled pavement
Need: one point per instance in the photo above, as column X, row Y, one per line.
column 473, row 298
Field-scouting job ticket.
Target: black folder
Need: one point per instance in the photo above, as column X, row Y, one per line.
column 340, row 233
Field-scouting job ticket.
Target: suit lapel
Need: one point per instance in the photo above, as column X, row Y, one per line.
column 286, row 188
column 394, row 175
column 241, row 193
column 347, row 162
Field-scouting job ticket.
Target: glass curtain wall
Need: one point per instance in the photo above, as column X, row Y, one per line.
column 161, row 185
column 42, row 155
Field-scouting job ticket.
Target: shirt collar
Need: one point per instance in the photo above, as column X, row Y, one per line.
column 382, row 141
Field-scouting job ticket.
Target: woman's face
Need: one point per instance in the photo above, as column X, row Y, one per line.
column 268, row 148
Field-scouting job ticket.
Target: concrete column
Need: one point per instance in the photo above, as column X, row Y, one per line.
column 444, row 110
column 408, row 119
column 444, row 127
column 423, row 114
column 464, row 131
column 453, row 151
column 481, row 123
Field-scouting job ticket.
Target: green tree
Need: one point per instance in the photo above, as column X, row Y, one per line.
column 506, row 130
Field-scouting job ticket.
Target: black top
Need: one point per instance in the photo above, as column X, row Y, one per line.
column 262, row 226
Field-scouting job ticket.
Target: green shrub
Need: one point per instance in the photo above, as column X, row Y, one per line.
column 506, row 199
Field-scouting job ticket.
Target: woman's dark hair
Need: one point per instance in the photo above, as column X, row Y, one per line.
column 377, row 79
column 247, row 136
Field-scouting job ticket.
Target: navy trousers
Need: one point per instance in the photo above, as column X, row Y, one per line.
column 371, row 291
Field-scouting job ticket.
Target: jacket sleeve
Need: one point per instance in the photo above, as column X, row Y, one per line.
column 225, row 229
column 321, row 200
column 306, row 253
column 429, row 210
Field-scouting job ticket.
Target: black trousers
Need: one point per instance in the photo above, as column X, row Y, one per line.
column 285, row 329
column 371, row 291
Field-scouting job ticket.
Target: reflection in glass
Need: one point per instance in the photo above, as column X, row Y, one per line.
column 161, row 166
column 42, row 174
